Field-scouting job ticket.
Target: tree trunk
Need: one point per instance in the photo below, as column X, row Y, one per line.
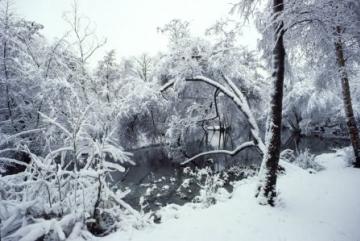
column 268, row 171
column 350, row 119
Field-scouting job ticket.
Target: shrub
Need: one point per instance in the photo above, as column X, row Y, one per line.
column 67, row 192
column 303, row 159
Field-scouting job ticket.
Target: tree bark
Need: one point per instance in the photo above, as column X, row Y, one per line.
column 349, row 113
column 268, row 171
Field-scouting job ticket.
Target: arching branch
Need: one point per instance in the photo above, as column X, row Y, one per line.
column 238, row 149
column 240, row 101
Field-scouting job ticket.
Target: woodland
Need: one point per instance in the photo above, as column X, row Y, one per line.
column 87, row 151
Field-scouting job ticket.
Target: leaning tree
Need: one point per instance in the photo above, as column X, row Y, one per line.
column 272, row 147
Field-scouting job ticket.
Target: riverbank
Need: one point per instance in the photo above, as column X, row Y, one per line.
column 316, row 207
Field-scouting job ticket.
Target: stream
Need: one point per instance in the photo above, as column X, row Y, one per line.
column 157, row 177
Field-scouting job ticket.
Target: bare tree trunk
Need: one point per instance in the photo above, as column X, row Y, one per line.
column 268, row 171
column 350, row 119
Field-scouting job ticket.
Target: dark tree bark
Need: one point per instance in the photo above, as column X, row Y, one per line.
column 268, row 172
column 350, row 119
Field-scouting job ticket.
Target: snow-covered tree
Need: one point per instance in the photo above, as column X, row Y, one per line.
column 144, row 67
column 222, row 68
column 324, row 34
column 84, row 43
column 19, row 70
column 216, row 68
column 108, row 75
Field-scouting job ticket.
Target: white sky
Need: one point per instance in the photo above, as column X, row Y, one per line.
column 129, row 25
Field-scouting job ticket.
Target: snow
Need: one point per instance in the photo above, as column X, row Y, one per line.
column 318, row 207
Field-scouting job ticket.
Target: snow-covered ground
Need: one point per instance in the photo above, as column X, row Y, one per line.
column 319, row 207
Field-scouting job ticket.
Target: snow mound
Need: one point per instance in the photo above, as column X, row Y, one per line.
column 317, row 207
column 332, row 160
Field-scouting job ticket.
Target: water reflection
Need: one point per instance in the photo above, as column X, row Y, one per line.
column 315, row 144
column 155, row 170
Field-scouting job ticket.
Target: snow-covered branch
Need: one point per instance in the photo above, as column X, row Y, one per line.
column 238, row 98
column 238, row 149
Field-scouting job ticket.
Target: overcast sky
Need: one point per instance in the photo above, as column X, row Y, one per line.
column 129, row 25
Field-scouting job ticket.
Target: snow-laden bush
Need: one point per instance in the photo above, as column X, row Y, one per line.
column 67, row 192
column 303, row 159
column 210, row 185
column 236, row 173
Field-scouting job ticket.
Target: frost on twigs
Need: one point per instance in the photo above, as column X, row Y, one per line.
column 205, row 187
column 69, row 185
column 211, row 186
column 245, row 8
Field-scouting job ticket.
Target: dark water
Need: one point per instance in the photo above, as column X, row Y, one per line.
column 315, row 144
column 158, row 177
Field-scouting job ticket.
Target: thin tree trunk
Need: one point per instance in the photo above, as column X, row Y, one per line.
column 350, row 119
column 8, row 97
column 268, row 171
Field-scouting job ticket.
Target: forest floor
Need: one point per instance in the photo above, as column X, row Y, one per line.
column 324, row 206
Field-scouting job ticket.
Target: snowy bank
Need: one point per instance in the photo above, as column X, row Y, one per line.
column 317, row 207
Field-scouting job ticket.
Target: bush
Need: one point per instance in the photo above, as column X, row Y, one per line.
column 208, row 185
column 66, row 193
column 303, row 159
